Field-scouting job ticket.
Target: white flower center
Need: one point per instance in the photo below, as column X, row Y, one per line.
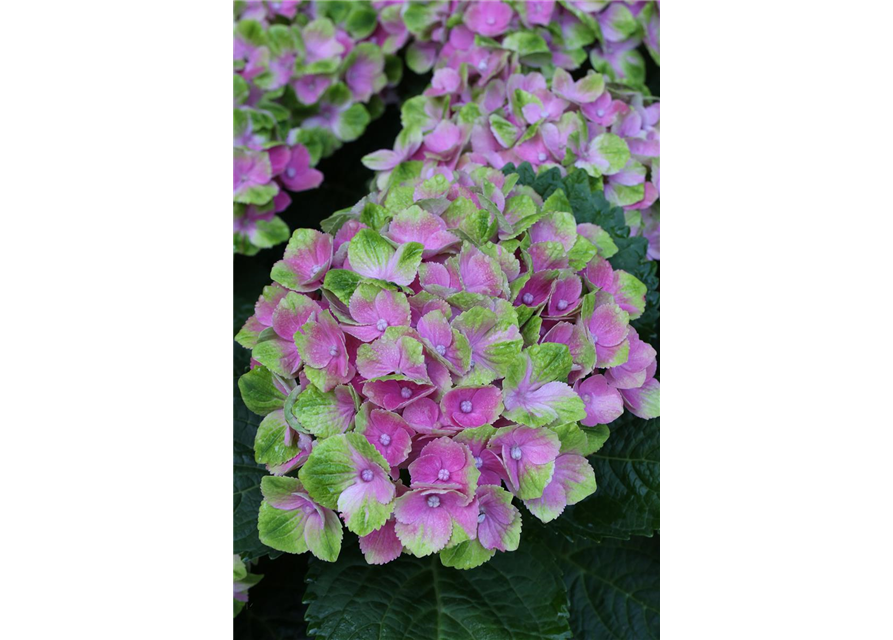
column 482, row 65
column 333, row 351
column 385, row 439
column 600, row 113
column 562, row 305
column 491, row 21
column 433, row 501
column 516, row 452
column 315, row 269
column 542, row 157
column 381, row 325
column 443, row 474
column 478, row 462
column 440, row 349
column 465, row 406
column 587, row 398
column 481, row 517
column 406, row 392
column 528, row 298
column 290, row 172
column 366, row 475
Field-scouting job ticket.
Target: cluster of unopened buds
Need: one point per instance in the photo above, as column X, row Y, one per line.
column 448, row 351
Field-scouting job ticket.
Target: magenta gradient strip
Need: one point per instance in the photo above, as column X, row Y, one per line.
column 776, row 491
column 719, row 549
column 777, row 516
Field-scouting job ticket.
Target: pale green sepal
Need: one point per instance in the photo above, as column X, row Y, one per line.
column 466, row 555
column 269, row 442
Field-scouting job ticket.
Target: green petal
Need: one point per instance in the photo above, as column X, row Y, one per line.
column 466, row 555
column 259, row 393
column 269, row 443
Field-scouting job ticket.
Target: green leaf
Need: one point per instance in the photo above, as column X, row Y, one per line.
column 247, row 473
column 613, row 587
column 627, row 502
column 515, row 596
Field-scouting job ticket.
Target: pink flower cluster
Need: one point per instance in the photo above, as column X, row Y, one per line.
column 305, row 78
column 540, row 32
column 466, row 120
column 451, row 348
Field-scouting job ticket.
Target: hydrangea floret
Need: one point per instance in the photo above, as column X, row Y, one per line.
column 434, row 362
column 242, row 582
column 307, row 77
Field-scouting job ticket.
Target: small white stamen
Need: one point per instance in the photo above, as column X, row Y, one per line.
column 443, row 474
column 290, row 172
column 528, row 298
column 406, row 392
column 542, row 157
column 491, row 20
column 366, row 475
column 516, row 452
column 440, row 349
column 482, row 65
column 562, row 305
column 481, row 517
column 333, row 351
column 478, row 462
column 433, row 501
column 315, row 269
column 385, row 439
column 465, row 406
column 587, row 398
column 381, row 325
column 600, row 113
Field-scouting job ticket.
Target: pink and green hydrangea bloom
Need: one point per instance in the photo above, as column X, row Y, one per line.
column 334, row 69
column 431, row 369
column 291, row 521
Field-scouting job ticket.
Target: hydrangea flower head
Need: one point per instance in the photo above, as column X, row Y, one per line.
column 441, row 382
